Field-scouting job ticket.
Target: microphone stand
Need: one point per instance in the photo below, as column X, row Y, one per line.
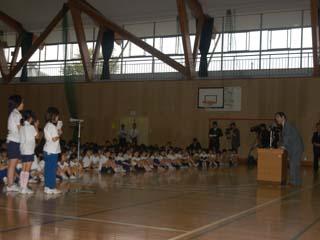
column 79, row 139
column 78, row 122
column 271, row 138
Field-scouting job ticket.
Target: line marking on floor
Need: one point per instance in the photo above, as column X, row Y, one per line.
column 66, row 217
column 83, row 216
column 206, row 228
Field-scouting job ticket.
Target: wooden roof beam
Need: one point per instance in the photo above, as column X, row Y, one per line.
column 184, row 27
column 106, row 23
column 38, row 42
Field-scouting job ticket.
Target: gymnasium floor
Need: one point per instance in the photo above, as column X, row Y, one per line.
column 187, row 204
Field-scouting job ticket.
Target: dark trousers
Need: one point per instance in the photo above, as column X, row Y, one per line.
column 122, row 142
column 214, row 145
column 316, row 155
column 235, row 149
column 134, row 141
column 295, row 171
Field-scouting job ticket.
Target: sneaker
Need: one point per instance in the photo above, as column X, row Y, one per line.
column 64, row 177
column 5, row 180
column 26, row 191
column 73, row 177
column 51, row 191
column 55, row 191
column 47, row 190
column 13, row 188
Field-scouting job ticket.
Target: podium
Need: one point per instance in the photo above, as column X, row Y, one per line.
column 272, row 165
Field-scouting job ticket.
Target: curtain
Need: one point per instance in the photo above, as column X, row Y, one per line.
column 69, row 84
column 107, row 45
column 25, row 46
column 205, row 41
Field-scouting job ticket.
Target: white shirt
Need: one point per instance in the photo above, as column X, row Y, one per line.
column 41, row 165
column 127, row 156
column 19, row 166
column 13, row 123
column 35, row 164
column 171, row 157
column 136, row 159
column 134, row 133
column 103, row 160
column 63, row 165
column 86, row 161
column 95, row 159
column 74, row 164
column 51, row 131
column 119, row 158
column 27, row 139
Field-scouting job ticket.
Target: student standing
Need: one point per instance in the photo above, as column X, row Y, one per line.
column 28, row 135
column 52, row 133
column 13, row 139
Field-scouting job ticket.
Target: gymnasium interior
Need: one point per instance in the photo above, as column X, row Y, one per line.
column 173, row 68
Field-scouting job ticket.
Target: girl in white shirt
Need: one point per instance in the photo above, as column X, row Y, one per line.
column 36, row 171
column 64, row 169
column 87, row 160
column 13, row 139
column 76, row 167
column 28, row 135
column 95, row 159
column 51, row 149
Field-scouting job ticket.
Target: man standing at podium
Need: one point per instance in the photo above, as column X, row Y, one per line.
column 293, row 143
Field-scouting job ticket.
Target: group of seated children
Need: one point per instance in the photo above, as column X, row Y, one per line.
column 117, row 159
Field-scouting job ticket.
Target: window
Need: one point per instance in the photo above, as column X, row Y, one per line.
column 135, row 50
column 295, row 38
column 254, row 41
column 240, row 42
column 51, row 52
column 169, row 45
column 279, row 39
column 307, row 38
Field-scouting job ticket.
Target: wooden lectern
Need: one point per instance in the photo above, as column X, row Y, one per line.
column 272, row 165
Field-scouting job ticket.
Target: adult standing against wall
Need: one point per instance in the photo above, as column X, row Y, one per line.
column 316, row 148
column 293, row 143
column 122, row 136
column 15, row 106
column 215, row 133
column 134, row 134
column 235, row 137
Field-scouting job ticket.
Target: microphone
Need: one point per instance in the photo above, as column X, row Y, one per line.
column 74, row 120
column 273, row 126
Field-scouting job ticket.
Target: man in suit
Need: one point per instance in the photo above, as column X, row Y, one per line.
column 293, row 143
column 195, row 145
column 316, row 148
column 235, row 137
column 215, row 134
column 122, row 136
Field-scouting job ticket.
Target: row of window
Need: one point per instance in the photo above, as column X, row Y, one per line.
column 293, row 38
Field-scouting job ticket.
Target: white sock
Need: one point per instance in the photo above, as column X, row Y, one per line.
column 21, row 179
